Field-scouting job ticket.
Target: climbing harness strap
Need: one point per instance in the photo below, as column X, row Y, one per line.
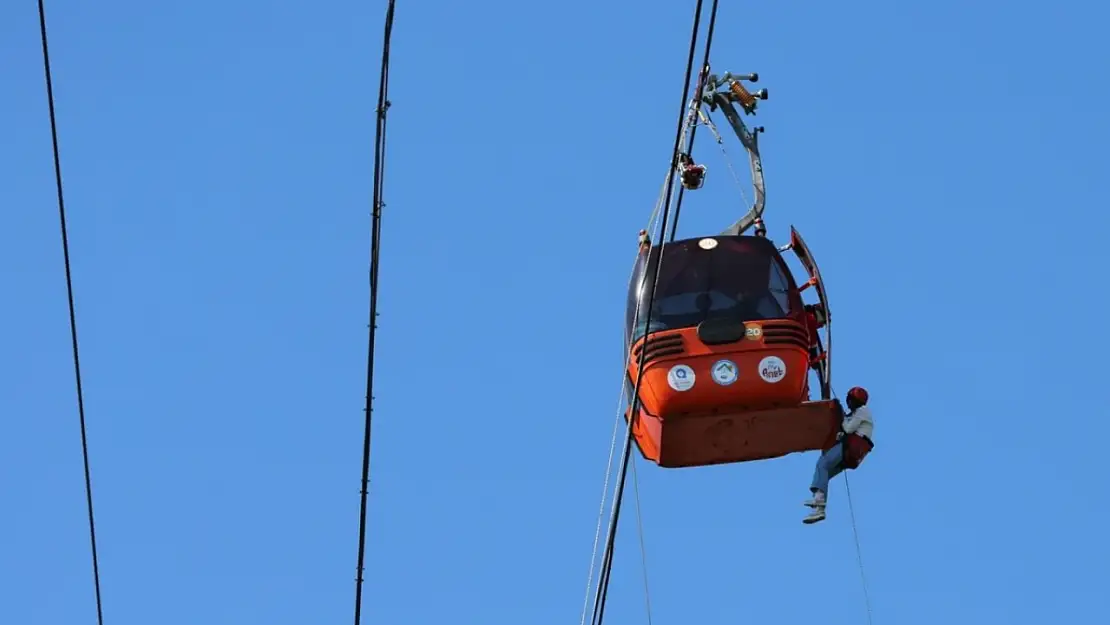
column 854, row 449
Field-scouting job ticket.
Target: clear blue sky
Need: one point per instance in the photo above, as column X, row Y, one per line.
column 942, row 160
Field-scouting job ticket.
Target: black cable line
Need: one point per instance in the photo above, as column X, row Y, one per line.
column 375, row 253
column 697, row 107
column 607, row 560
column 72, row 309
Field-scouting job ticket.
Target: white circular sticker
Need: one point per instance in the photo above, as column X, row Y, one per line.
column 772, row 369
column 724, row 372
column 707, row 244
column 681, row 378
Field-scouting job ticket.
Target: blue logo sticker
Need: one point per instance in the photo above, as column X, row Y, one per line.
column 724, row 372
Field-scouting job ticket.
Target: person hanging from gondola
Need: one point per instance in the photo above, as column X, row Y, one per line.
column 691, row 173
column 853, row 444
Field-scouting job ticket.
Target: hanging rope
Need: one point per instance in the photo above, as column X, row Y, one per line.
column 375, row 253
column 608, row 474
column 72, row 308
column 613, row 441
column 859, row 551
column 601, row 514
column 643, row 548
column 660, row 203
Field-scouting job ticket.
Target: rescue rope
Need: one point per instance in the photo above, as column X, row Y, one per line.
column 608, row 473
column 652, row 220
column 602, row 589
column 375, row 253
column 72, row 308
column 613, row 441
column 643, row 548
column 855, row 532
column 859, row 551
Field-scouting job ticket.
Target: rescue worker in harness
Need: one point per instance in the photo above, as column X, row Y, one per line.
column 853, row 444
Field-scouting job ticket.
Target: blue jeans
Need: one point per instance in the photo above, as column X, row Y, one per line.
column 829, row 465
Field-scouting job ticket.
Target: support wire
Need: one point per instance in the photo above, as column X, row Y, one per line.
column 375, row 253
column 72, row 308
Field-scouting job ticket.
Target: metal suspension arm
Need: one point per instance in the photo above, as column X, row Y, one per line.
column 749, row 138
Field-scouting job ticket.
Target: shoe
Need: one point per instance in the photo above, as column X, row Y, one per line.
column 814, row 503
column 817, row 515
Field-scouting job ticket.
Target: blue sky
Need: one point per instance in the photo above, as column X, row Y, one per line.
column 941, row 159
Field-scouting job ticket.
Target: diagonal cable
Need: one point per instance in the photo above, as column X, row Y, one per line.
column 72, row 308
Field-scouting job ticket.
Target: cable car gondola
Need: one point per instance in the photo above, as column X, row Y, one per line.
column 729, row 341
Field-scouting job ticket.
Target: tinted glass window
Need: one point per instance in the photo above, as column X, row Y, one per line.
column 742, row 278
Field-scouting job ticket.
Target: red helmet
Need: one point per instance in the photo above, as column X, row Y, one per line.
column 859, row 394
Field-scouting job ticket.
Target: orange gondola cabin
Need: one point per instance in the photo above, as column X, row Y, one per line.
column 727, row 348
